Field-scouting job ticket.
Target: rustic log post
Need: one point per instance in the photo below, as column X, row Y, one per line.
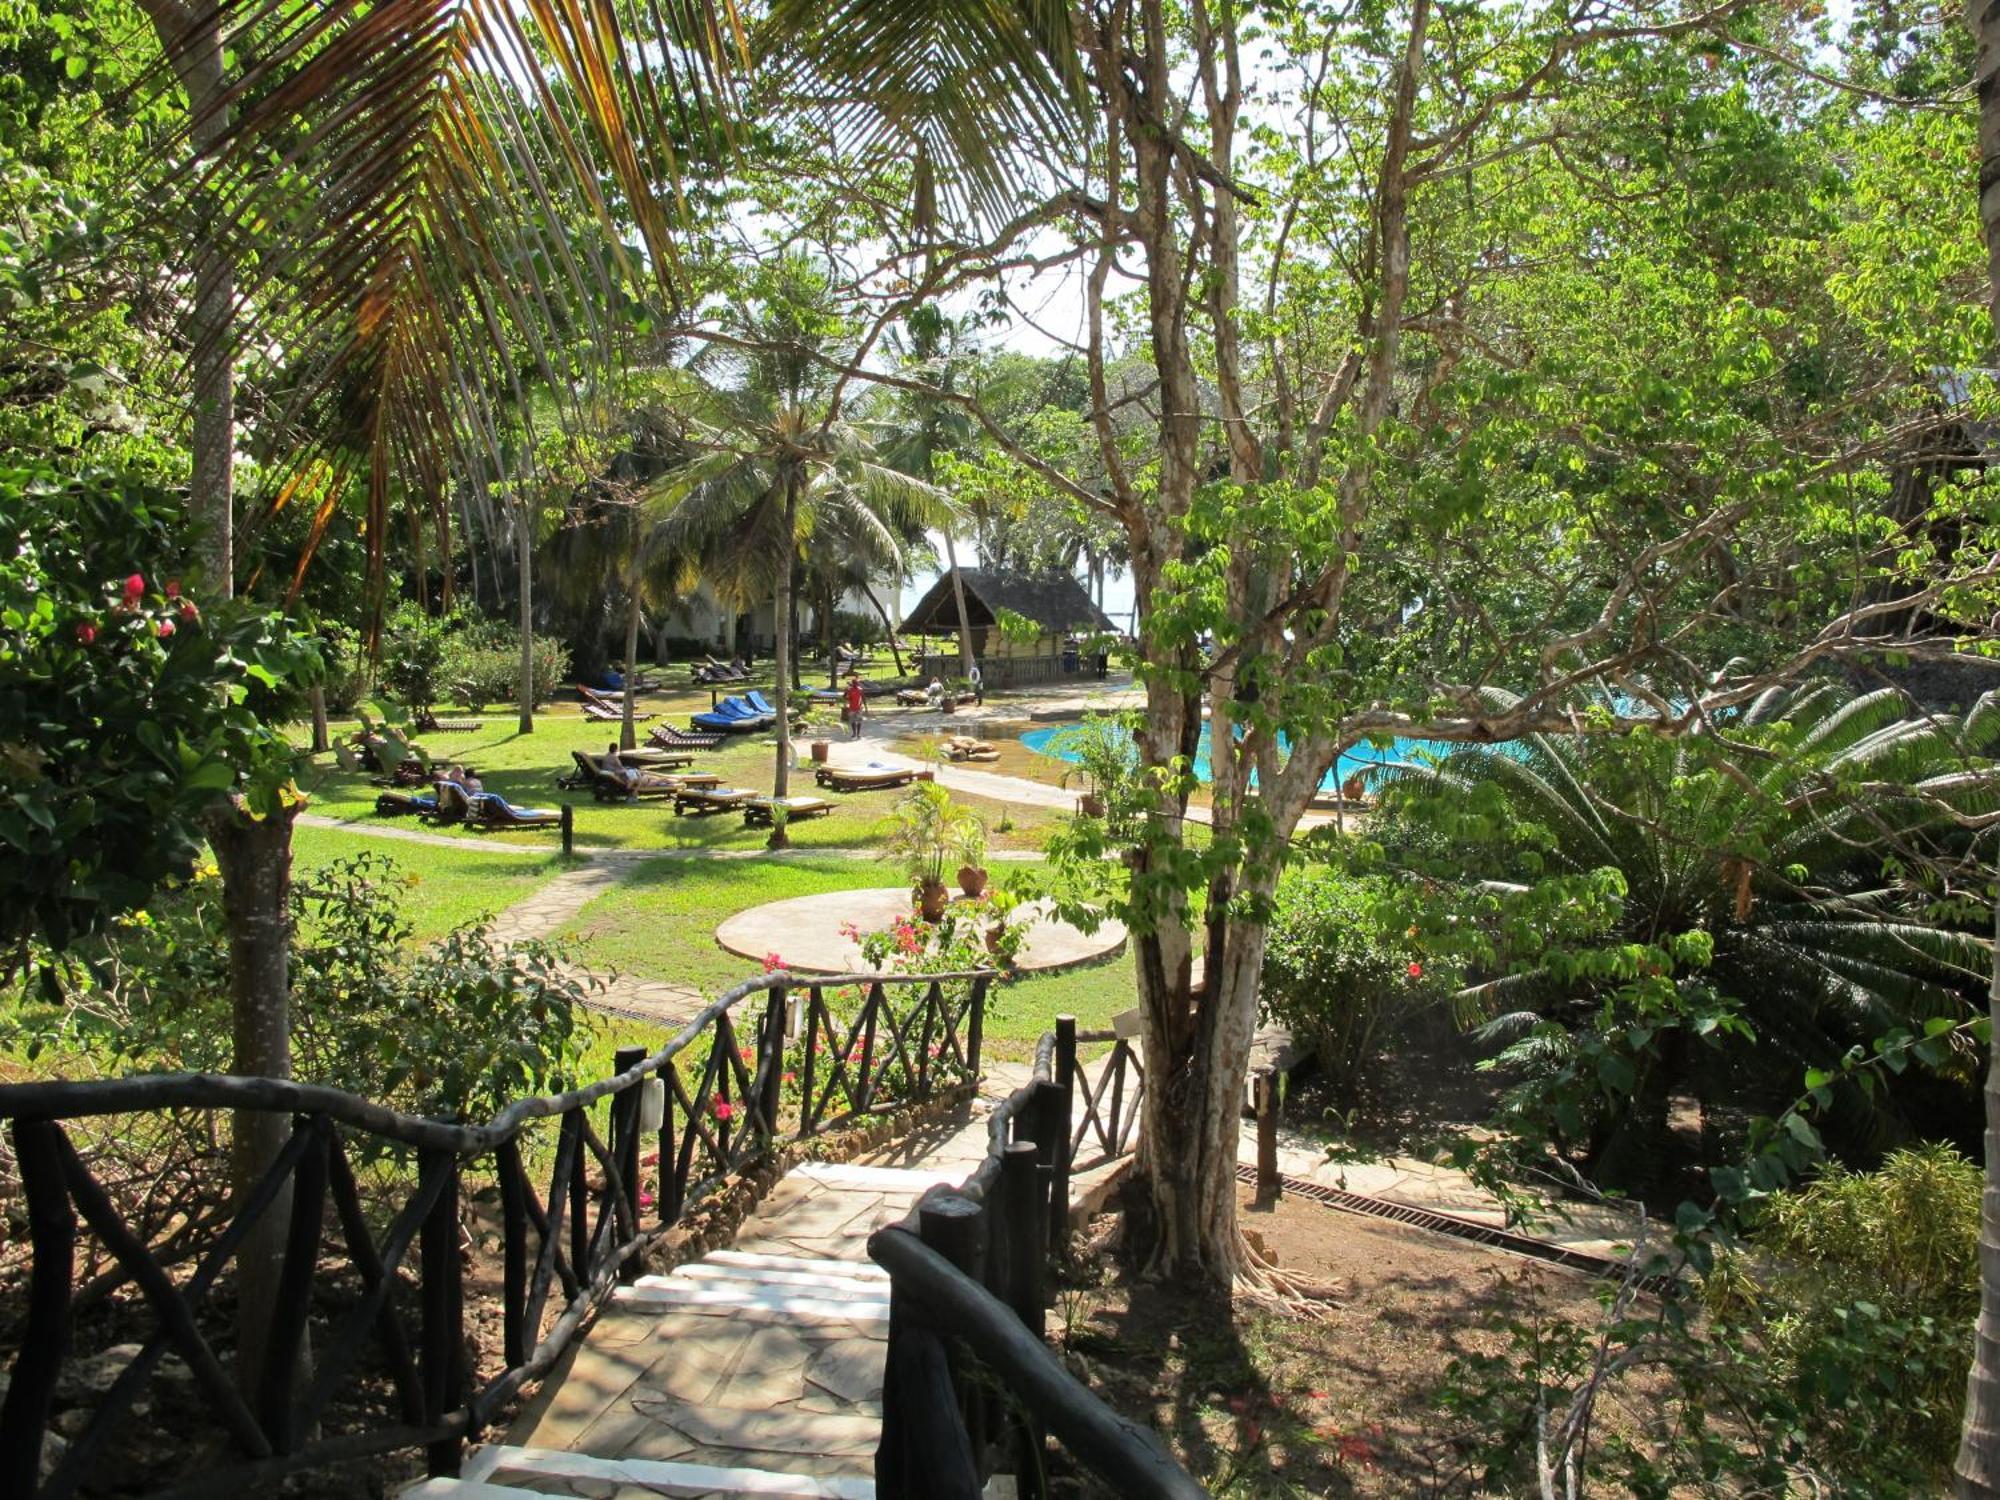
column 670, row 1178
column 24, row 1417
column 774, row 1057
column 443, row 1312
column 568, row 830
column 1026, row 1236
column 285, row 1345
column 975, row 1032
column 625, row 1155
column 955, row 1227
column 514, row 1253
column 1269, row 1186
column 1065, row 1112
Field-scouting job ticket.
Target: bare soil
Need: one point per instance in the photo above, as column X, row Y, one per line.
column 1260, row 1402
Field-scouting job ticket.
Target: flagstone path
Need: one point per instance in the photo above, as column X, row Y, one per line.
column 756, row 1370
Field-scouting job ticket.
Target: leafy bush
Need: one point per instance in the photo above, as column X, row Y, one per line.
column 455, row 1029
column 1339, row 964
column 465, row 658
column 128, row 710
column 414, row 642
column 347, row 669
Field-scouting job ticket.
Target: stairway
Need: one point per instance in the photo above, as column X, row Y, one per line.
column 754, row 1371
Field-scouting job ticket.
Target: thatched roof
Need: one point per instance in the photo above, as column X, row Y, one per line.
column 1058, row 604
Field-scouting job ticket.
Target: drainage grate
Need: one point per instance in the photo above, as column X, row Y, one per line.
column 1605, row 1266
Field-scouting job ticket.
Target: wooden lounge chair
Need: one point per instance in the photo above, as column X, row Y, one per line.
column 964, row 747
column 490, row 810
column 454, row 804
column 760, row 813
column 669, row 738
column 395, row 804
column 864, row 778
column 604, row 713
column 703, row 800
column 611, row 786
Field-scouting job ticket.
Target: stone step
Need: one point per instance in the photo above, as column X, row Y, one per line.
column 751, row 1300
column 861, row 1270
column 460, row 1489
column 661, row 1477
column 873, row 1179
column 831, row 1279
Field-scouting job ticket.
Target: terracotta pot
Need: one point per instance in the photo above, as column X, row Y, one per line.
column 820, row 748
column 1091, row 805
column 972, row 879
column 950, row 704
column 993, row 937
column 932, row 898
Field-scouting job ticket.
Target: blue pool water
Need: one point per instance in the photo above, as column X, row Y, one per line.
column 1360, row 758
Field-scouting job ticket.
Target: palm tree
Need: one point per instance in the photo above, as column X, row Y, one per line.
column 1771, row 837
column 781, row 465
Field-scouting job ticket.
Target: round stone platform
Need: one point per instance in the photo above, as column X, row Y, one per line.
column 806, row 932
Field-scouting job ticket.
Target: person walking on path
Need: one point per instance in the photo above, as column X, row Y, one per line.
column 855, row 701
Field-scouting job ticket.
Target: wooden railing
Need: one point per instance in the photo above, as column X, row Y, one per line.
column 969, row 1276
column 890, row 1042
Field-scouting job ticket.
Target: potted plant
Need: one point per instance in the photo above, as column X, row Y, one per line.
column 970, row 846
column 929, row 828
column 1102, row 755
column 817, row 721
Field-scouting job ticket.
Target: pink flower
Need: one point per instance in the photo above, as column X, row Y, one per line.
column 189, row 614
column 791, row 1077
column 772, row 963
column 645, row 1199
column 746, row 1054
column 723, row 1109
column 86, row 632
column 173, row 588
column 1416, row 969
column 135, row 588
column 166, row 629
column 650, row 1159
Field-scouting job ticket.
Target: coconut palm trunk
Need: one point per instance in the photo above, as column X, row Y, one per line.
column 524, row 547
column 781, row 685
column 958, row 594
column 1978, row 1465
column 888, row 627
column 628, row 736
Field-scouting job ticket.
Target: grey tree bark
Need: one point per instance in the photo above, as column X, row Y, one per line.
column 255, row 857
column 190, row 34
column 958, row 595
column 1977, row 1468
column 524, row 547
column 628, row 735
column 781, row 689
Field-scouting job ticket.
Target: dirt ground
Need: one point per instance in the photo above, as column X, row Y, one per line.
column 1257, row 1402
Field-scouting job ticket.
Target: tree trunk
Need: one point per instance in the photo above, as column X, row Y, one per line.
column 191, row 36
column 627, row 735
column 888, row 626
column 958, row 594
column 255, row 857
column 1978, row 1465
column 524, row 547
column 781, row 681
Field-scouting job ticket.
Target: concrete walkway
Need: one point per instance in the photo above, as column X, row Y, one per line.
column 756, row 1370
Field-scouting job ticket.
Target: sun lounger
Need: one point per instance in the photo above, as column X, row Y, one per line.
column 864, row 778
column 701, row 800
column 491, row 810
column 765, row 707
column 761, row 812
column 669, row 738
column 912, row 698
column 396, row 804
column 605, row 713
column 630, row 786
column 454, row 804
column 734, row 716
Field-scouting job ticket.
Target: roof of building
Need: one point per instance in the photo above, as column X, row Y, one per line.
column 1056, row 603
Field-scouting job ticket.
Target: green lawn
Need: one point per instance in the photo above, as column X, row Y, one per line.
column 447, row 887
column 524, row 768
column 660, row 924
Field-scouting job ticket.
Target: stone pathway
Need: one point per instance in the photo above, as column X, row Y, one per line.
column 756, row 1370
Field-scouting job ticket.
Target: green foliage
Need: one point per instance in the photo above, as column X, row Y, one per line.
column 456, row 1028
column 463, row 658
column 1340, row 965
column 931, row 830
column 128, row 710
column 1827, row 1357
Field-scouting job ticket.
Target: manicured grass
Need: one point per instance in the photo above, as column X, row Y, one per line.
column 446, row 887
column 660, row 924
column 524, row 768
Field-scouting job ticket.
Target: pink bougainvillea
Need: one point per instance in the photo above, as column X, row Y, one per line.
column 135, row 588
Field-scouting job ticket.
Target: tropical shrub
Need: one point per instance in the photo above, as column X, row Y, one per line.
column 412, row 668
column 1340, row 965
column 454, row 1029
column 1749, row 897
column 483, row 664
column 128, row 709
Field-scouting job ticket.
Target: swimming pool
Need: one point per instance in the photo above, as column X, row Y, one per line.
column 1360, row 758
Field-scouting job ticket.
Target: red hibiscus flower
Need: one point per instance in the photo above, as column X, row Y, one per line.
column 135, row 588
column 86, row 632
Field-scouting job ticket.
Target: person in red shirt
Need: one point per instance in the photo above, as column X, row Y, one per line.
column 855, row 700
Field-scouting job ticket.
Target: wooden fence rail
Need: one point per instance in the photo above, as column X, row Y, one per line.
column 968, row 1278
column 850, row 1045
